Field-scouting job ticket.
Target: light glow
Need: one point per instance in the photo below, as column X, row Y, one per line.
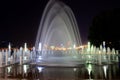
column 105, row 67
column 89, row 68
column 39, row 47
column 25, row 67
column 40, row 69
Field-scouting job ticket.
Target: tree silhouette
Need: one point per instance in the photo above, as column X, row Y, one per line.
column 105, row 27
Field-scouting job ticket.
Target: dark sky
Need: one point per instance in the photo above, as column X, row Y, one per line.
column 20, row 19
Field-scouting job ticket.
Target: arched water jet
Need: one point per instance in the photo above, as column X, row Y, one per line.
column 57, row 27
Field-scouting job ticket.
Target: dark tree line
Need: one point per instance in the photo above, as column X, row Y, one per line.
column 105, row 27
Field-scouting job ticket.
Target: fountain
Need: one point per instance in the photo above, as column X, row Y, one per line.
column 58, row 39
column 58, row 31
column 58, row 27
column 58, row 43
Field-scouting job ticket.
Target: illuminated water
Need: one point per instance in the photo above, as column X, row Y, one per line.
column 58, row 40
column 56, row 55
column 58, row 28
column 35, row 72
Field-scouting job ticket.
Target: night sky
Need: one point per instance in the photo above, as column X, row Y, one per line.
column 20, row 19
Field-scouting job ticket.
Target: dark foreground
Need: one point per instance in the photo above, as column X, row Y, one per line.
column 35, row 72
